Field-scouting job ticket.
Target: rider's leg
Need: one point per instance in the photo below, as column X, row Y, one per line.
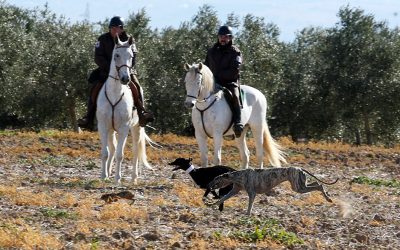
column 88, row 120
column 144, row 116
column 237, row 123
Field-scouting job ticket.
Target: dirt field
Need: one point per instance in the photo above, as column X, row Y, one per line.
column 50, row 198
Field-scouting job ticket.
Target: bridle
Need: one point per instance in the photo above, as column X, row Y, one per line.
column 198, row 93
column 205, row 109
column 118, row 68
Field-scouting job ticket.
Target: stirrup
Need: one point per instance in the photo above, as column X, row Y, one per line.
column 238, row 129
column 145, row 118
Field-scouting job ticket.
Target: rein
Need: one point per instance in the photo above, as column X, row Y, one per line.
column 209, row 106
column 118, row 68
column 112, row 105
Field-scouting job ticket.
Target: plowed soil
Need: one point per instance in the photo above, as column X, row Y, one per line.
column 50, row 198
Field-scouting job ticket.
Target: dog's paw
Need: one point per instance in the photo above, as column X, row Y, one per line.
column 208, row 203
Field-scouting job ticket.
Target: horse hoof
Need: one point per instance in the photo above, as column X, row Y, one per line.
column 118, row 182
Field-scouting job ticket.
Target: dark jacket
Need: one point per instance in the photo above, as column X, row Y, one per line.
column 102, row 56
column 224, row 62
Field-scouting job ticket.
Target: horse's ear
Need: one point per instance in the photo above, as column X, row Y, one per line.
column 200, row 65
column 116, row 40
column 186, row 66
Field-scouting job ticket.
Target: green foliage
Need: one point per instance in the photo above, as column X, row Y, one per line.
column 257, row 229
column 335, row 79
column 58, row 213
column 376, row 182
column 338, row 83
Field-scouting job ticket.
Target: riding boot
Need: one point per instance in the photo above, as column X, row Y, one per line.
column 87, row 121
column 237, row 123
column 144, row 116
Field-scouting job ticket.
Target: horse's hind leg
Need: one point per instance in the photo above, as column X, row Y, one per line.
column 258, row 141
column 135, row 131
column 243, row 150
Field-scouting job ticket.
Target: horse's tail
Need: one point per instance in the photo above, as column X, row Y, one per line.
column 274, row 151
column 142, row 157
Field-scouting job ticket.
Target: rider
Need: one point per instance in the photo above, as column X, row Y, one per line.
column 103, row 54
column 224, row 60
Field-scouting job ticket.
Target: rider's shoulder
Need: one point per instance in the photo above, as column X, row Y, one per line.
column 235, row 48
column 105, row 35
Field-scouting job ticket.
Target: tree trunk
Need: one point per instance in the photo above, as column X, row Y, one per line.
column 367, row 128
column 72, row 113
column 358, row 137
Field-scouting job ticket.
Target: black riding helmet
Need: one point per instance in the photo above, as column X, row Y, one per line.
column 225, row 30
column 116, row 21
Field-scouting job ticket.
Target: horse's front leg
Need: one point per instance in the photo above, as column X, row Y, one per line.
column 217, row 148
column 111, row 151
column 122, row 136
column 202, row 141
column 104, row 153
column 107, row 151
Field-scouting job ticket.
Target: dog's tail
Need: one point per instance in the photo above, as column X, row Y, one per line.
column 327, row 183
column 274, row 151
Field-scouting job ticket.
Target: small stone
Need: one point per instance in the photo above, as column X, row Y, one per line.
column 379, row 218
column 362, row 238
column 192, row 235
column 151, row 236
column 177, row 245
column 185, row 218
column 120, row 235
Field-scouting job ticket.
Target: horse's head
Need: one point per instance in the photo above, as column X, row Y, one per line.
column 122, row 59
column 198, row 83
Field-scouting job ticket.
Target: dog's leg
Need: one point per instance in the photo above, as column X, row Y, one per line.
column 221, row 207
column 208, row 190
column 252, row 196
column 309, row 188
column 216, row 196
column 231, row 193
column 206, row 193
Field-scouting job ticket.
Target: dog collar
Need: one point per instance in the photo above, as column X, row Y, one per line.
column 190, row 169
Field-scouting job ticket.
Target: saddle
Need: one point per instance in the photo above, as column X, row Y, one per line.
column 229, row 97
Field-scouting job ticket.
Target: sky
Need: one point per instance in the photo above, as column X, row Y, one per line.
column 291, row 16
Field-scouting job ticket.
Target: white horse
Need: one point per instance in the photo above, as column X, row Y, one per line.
column 116, row 117
column 212, row 117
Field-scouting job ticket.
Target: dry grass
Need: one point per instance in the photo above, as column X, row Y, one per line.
column 122, row 211
column 57, row 171
column 188, row 195
column 17, row 234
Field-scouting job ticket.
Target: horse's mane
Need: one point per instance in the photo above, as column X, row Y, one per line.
column 208, row 78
